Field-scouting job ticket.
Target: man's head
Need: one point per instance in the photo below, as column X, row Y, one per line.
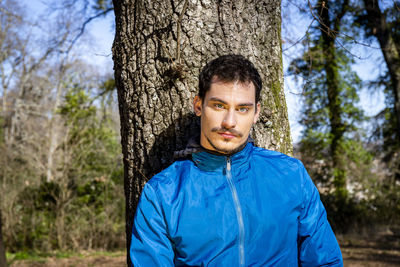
column 229, row 68
column 228, row 103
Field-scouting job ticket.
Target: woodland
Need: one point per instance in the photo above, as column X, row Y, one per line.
column 78, row 140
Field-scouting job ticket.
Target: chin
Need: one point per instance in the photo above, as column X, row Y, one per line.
column 228, row 148
column 224, row 146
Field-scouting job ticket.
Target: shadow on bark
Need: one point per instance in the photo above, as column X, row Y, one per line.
column 172, row 139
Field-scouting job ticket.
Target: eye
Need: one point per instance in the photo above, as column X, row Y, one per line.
column 218, row 106
column 243, row 109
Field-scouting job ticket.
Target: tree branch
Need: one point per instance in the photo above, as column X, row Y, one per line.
column 82, row 29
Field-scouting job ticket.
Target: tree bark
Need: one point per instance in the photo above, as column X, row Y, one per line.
column 158, row 52
column 3, row 262
column 390, row 50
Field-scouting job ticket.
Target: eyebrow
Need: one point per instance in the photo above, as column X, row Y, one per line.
column 224, row 102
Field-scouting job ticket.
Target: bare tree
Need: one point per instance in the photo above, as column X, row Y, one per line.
column 36, row 71
column 158, row 51
column 390, row 46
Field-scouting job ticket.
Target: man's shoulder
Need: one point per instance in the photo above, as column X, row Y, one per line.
column 171, row 174
column 276, row 157
column 278, row 165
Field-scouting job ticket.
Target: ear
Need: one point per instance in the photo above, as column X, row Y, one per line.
column 197, row 105
column 258, row 109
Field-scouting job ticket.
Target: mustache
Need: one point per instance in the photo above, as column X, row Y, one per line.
column 224, row 130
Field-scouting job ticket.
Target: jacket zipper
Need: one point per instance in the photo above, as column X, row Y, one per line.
column 238, row 209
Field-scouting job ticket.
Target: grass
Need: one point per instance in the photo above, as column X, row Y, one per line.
column 41, row 257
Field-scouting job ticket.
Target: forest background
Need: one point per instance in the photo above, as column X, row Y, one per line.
column 61, row 173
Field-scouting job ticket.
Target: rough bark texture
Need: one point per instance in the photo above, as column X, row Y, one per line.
column 3, row 262
column 158, row 51
column 390, row 50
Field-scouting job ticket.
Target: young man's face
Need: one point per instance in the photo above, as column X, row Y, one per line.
column 227, row 112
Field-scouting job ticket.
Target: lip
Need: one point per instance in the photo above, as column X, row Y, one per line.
column 227, row 135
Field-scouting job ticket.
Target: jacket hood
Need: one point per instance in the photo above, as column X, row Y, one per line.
column 192, row 146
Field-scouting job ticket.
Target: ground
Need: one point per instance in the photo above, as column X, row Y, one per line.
column 381, row 250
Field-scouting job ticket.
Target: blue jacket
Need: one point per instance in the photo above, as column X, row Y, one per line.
column 254, row 208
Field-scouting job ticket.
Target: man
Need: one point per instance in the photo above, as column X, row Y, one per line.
column 231, row 203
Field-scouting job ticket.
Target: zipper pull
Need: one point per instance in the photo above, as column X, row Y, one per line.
column 228, row 164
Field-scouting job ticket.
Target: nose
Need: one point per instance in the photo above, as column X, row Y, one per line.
column 229, row 119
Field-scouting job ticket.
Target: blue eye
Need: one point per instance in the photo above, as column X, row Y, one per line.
column 243, row 110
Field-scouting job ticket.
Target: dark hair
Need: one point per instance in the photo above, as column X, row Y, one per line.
column 229, row 68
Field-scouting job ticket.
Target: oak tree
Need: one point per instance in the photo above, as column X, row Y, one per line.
column 158, row 52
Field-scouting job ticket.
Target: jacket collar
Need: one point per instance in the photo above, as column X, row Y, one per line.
column 210, row 162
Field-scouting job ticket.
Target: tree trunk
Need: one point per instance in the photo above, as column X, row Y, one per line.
column 3, row 262
column 158, row 52
column 390, row 50
column 52, row 126
column 329, row 28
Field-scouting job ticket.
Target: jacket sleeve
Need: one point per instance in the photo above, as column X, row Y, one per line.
column 317, row 242
column 150, row 245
